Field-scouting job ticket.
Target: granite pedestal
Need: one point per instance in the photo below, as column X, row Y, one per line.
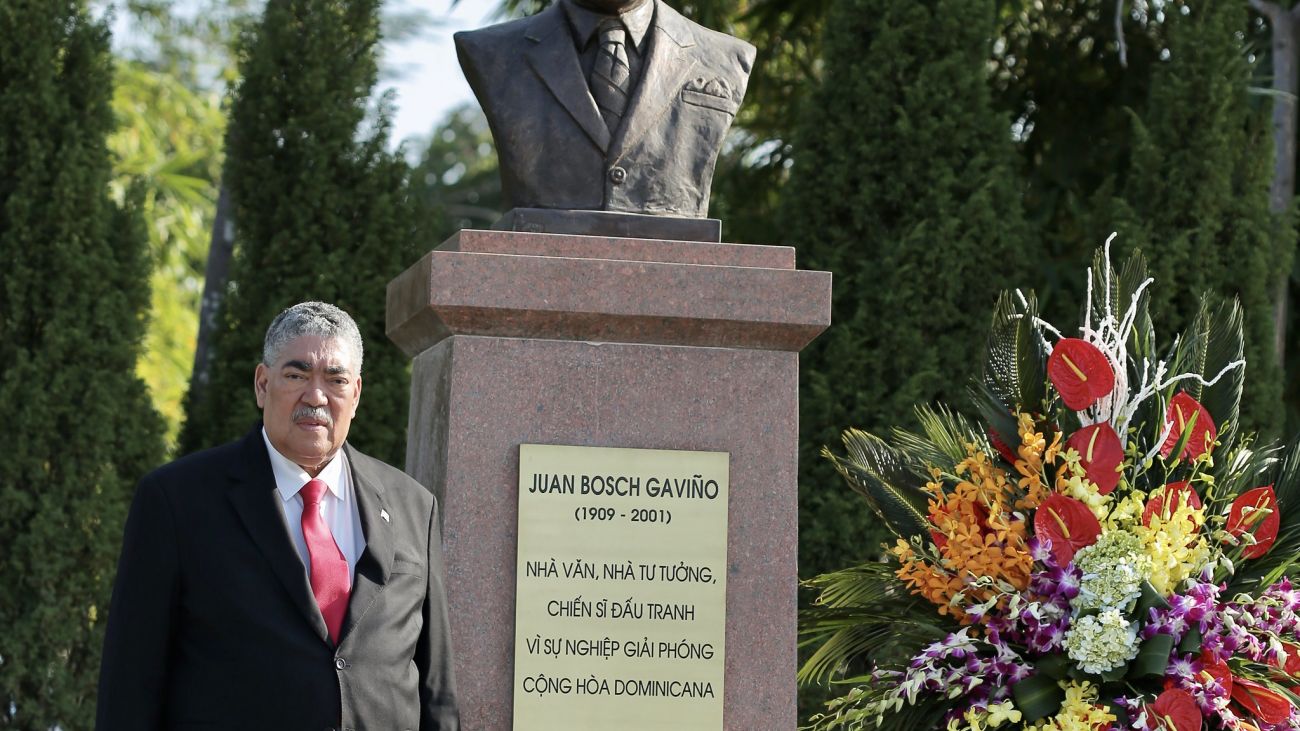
column 586, row 340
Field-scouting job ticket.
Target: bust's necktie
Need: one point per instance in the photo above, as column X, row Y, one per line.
column 611, row 76
column 330, row 582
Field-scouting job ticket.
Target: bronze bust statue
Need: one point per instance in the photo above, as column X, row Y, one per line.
column 607, row 105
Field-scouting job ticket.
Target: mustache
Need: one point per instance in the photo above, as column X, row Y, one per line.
column 313, row 413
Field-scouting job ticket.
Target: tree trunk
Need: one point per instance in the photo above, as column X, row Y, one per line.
column 1284, row 22
column 214, row 291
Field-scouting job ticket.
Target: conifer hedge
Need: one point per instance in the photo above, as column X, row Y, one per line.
column 80, row 426
column 1196, row 197
column 903, row 187
column 321, row 212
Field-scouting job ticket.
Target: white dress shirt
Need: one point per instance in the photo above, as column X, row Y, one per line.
column 338, row 507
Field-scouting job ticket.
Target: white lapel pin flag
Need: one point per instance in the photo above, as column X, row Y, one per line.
column 383, row 514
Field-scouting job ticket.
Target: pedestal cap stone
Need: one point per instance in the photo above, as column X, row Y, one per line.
column 592, row 288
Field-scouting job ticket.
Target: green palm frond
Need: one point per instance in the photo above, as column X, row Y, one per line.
column 890, row 480
column 1286, row 481
column 861, row 639
column 922, row 449
column 1015, row 361
column 857, row 586
column 864, row 614
column 857, row 638
column 943, row 439
column 1283, row 560
column 1001, row 420
column 1212, row 342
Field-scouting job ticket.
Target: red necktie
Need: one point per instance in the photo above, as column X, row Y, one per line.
column 329, row 569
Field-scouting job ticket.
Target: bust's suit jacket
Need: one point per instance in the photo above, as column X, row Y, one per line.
column 213, row 624
column 554, row 148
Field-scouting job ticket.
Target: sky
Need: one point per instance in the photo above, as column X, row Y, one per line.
column 424, row 71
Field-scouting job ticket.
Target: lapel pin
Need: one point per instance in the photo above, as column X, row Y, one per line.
column 383, row 514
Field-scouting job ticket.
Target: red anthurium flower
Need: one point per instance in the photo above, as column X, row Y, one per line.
column 938, row 515
column 1292, row 664
column 1001, row 446
column 1068, row 523
column 1174, row 496
column 936, row 518
column 1260, row 702
column 1101, row 453
column 1080, row 372
column 1212, row 668
column 1176, row 710
column 1255, row 512
column 1185, row 411
column 940, row 540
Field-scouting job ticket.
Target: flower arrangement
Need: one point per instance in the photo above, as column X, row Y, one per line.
column 1104, row 551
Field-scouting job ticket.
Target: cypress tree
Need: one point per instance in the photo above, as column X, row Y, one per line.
column 73, row 287
column 321, row 212
column 1196, row 197
column 903, row 187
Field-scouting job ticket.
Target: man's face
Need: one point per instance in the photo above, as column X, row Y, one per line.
column 611, row 7
column 308, row 398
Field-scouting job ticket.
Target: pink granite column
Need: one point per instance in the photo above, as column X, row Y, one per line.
column 551, row 339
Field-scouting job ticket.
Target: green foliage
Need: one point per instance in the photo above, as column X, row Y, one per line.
column 755, row 165
column 321, row 209
column 860, row 612
column 193, row 42
column 1014, row 375
column 457, row 178
column 892, row 483
column 1196, row 199
column 73, row 290
column 1211, row 344
column 168, row 145
column 904, row 190
column 863, row 619
column 1065, row 90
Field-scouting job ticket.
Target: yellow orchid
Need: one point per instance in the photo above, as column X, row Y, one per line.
column 1079, row 712
column 980, row 719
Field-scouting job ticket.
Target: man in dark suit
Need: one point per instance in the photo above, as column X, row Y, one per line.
column 283, row 581
column 616, row 105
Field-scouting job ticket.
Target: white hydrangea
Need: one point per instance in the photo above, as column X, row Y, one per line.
column 1113, row 570
column 1101, row 642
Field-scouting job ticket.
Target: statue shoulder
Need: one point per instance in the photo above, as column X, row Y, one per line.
column 493, row 39
column 722, row 48
column 490, row 54
column 742, row 51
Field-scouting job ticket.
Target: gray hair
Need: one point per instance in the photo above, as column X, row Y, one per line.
column 311, row 318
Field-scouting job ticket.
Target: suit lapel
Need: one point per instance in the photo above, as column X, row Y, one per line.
column 555, row 59
column 667, row 66
column 376, row 562
column 256, row 501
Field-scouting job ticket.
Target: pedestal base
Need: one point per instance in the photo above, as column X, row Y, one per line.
column 562, row 342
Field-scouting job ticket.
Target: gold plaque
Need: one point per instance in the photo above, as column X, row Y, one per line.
column 620, row 614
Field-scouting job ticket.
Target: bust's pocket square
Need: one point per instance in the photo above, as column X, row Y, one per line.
column 710, row 93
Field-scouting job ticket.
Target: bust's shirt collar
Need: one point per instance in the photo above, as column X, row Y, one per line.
column 585, row 23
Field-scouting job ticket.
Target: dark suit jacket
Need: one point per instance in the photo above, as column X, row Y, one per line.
column 555, row 150
column 213, row 623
